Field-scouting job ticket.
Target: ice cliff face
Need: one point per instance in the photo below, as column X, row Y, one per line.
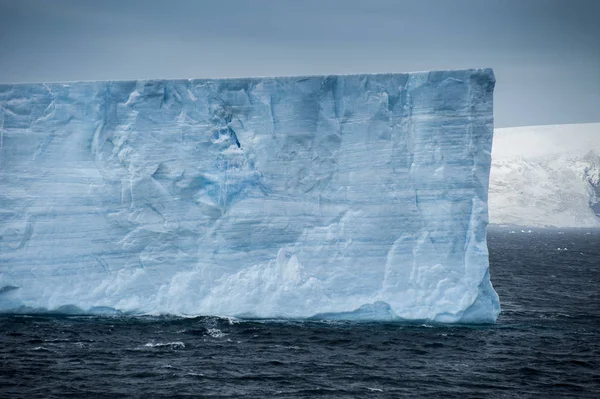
column 546, row 176
column 266, row 197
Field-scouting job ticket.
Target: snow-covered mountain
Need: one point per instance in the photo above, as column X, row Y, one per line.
column 546, row 176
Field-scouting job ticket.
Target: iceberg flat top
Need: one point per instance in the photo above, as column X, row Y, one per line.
column 267, row 197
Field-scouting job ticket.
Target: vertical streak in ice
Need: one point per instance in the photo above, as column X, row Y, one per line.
column 1, row 137
column 1, row 134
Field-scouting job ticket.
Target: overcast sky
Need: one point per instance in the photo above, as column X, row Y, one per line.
column 545, row 53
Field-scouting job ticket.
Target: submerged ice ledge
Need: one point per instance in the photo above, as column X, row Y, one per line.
column 359, row 196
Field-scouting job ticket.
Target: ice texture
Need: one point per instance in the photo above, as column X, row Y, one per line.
column 260, row 197
column 546, row 176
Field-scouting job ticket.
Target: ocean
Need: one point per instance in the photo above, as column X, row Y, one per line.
column 546, row 343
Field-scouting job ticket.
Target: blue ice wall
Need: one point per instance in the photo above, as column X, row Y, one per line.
column 263, row 197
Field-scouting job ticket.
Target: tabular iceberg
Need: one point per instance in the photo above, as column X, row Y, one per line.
column 358, row 195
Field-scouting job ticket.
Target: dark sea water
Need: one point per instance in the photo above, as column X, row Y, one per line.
column 546, row 344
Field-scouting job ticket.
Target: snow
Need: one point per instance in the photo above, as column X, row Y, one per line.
column 546, row 176
column 361, row 195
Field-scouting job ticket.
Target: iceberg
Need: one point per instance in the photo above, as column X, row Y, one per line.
column 287, row 197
